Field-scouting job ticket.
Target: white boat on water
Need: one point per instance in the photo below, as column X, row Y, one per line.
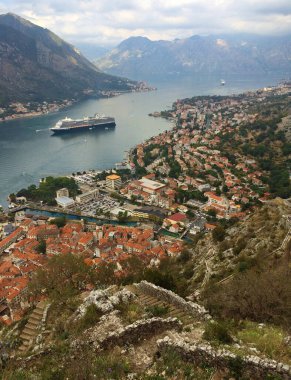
column 222, row 82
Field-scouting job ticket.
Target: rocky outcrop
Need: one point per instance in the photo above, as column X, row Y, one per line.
column 170, row 297
column 103, row 301
column 253, row 367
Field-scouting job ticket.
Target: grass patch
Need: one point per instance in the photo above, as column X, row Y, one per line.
column 157, row 310
column 130, row 312
column 171, row 366
column 267, row 339
column 111, row 367
column 90, row 318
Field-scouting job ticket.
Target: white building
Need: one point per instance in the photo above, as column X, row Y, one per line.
column 64, row 192
column 88, row 196
column 65, row 202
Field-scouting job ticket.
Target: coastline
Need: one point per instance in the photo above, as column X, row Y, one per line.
column 54, row 107
column 108, row 162
column 31, row 115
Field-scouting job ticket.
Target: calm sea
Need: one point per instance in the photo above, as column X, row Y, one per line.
column 28, row 151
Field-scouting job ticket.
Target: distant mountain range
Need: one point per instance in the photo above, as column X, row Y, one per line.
column 140, row 58
column 91, row 51
column 35, row 64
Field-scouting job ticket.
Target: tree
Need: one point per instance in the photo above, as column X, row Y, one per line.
column 279, row 181
column 212, row 213
column 63, row 277
column 46, row 191
column 122, row 216
column 60, row 221
column 218, row 234
column 41, row 248
column 12, row 197
column 165, row 280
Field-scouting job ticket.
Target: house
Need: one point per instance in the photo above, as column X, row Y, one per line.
column 177, row 218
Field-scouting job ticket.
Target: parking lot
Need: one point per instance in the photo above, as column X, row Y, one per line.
column 103, row 204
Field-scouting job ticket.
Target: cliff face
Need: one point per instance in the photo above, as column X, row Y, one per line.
column 38, row 65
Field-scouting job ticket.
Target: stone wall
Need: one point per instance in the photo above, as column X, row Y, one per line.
column 139, row 330
column 170, row 297
column 253, row 367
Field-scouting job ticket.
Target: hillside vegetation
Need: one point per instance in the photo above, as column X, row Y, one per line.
column 242, row 275
column 37, row 65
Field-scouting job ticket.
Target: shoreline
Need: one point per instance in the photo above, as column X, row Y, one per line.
column 69, row 103
column 111, row 167
column 32, row 115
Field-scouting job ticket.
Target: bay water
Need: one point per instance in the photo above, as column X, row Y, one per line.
column 29, row 151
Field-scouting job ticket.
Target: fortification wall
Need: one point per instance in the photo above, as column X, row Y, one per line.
column 253, row 367
column 170, row 297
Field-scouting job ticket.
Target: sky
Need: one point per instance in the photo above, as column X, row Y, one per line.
column 108, row 22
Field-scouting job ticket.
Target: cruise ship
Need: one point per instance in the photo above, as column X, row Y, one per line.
column 76, row 125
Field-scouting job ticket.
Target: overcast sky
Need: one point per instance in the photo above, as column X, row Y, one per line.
column 107, row 22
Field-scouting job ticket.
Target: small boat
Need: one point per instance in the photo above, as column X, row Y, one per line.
column 222, row 82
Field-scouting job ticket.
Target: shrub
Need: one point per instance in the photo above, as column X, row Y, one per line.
column 165, row 280
column 218, row 234
column 157, row 311
column 188, row 272
column 59, row 221
column 217, row 331
column 130, row 312
column 91, row 317
column 236, row 366
column 240, row 245
column 184, row 256
column 259, row 295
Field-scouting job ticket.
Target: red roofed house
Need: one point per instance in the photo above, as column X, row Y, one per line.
column 177, row 218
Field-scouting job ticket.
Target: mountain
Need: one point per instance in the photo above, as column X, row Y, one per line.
column 38, row 65
column 141, row 58
column 91, row 51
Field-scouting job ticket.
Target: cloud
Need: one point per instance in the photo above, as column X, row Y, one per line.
column 108, row 22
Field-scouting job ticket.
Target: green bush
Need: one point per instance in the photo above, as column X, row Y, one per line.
column 165, row 280
column 236, row 366
column 218, row 234
column 240, row 245
column 188, row 272
column 217, row 331
column 157, row 311
column 59, row 222
column 91, row 317
column 184, row 256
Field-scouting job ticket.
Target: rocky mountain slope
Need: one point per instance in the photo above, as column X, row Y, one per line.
column 38, row 65
column 139, row 57
column 144, row 331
